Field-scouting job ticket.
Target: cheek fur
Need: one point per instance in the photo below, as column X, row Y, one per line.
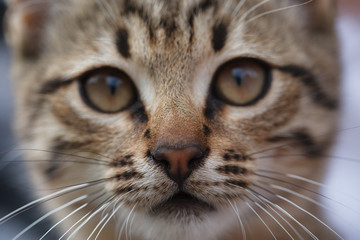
column 179, row 163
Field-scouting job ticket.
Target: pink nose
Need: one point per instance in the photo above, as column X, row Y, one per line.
column 179, row 162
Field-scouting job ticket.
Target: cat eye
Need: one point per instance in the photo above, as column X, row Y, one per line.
column 107, row 90
column 241, row 82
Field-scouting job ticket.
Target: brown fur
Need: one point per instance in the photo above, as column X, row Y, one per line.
column 171, row 57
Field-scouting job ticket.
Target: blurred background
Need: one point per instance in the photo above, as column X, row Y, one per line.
column 342, row 182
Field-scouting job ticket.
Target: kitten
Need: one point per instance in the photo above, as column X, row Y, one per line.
column 176, row 119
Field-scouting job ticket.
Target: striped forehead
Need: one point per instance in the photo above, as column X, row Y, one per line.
column 168, row 21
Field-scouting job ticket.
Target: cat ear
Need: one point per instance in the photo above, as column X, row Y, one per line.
column 321, row 15
column 25, row 23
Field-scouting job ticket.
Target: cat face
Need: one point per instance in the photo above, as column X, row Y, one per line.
column 173, row 110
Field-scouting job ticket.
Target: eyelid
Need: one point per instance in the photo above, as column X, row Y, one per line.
column 53, row 85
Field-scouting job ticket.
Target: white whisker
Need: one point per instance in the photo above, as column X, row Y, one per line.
column 49, row 214
column 69, row 215
column 308, row 199
column 310, row 214
column 285, row 212
column 317, row 184
column 50, row 196
column 268, row 206
column 127, row 222
column 86, row 220
column 291, row 217
column 113, row 213
column 309, row 190
column 108, row 219
column 130, row 227
column 239, row 6
column 98, row 225
column 241, row 224
column 275, row 11
column 236, row 211
column 252, row 209
column 268, row 213
column 252, row 9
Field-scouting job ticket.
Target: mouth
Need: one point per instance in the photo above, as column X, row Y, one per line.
column 184, row 205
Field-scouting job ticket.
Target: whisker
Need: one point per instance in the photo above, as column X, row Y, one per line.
column 130, row 228
column 54, row 152
column 108, row 11
column 86, row 221
column 42, row 200
column 102, row 205
column 94, row 153
column 252, row 9
column 91, row 183
column 302, row 209
column 238, row 7
column 283, row 211
column 292, row 176
column 98, row 225
column 304, row 154
column 276, row 10
column 62, row 220
column 268, row 213
column 108, row 219
column 72, row 213
column 279, row 208
column 252, row 209
column 239, row 219
column 113, row 213
column 303, row 188
column 310, row 214
column 276, row 212
column 308, row 199
column 296, row 141
column 127, row 222
column 49, row 214
column 53, row 161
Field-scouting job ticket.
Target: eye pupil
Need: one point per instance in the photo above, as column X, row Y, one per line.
column 113, row 84
column 238, row 76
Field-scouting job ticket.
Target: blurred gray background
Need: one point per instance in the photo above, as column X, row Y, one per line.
column 342, row 182
column 14, row 191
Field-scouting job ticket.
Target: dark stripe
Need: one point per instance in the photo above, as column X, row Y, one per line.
column 238, row 183
column 231, row 169
column 219, row 36
column 213, row 107
column 130, row 8
column 51, row 86
column 169, row 25
column 122, row 43
column 207, row 130
column 308, row 79
column 301, row 138
column 138, row 112
column 147, row 134
column 196, row 10
column 128, row 175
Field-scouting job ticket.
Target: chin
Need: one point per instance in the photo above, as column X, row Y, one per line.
column 183, row 221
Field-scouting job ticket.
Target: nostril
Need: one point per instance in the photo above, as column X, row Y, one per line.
column 179, row 162
column 197, row 160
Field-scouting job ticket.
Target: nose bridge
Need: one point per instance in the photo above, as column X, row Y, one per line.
column 178, row 143
column 177, row 124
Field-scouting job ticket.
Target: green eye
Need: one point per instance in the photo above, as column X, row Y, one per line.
column 241, row 82
column 108, row 90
